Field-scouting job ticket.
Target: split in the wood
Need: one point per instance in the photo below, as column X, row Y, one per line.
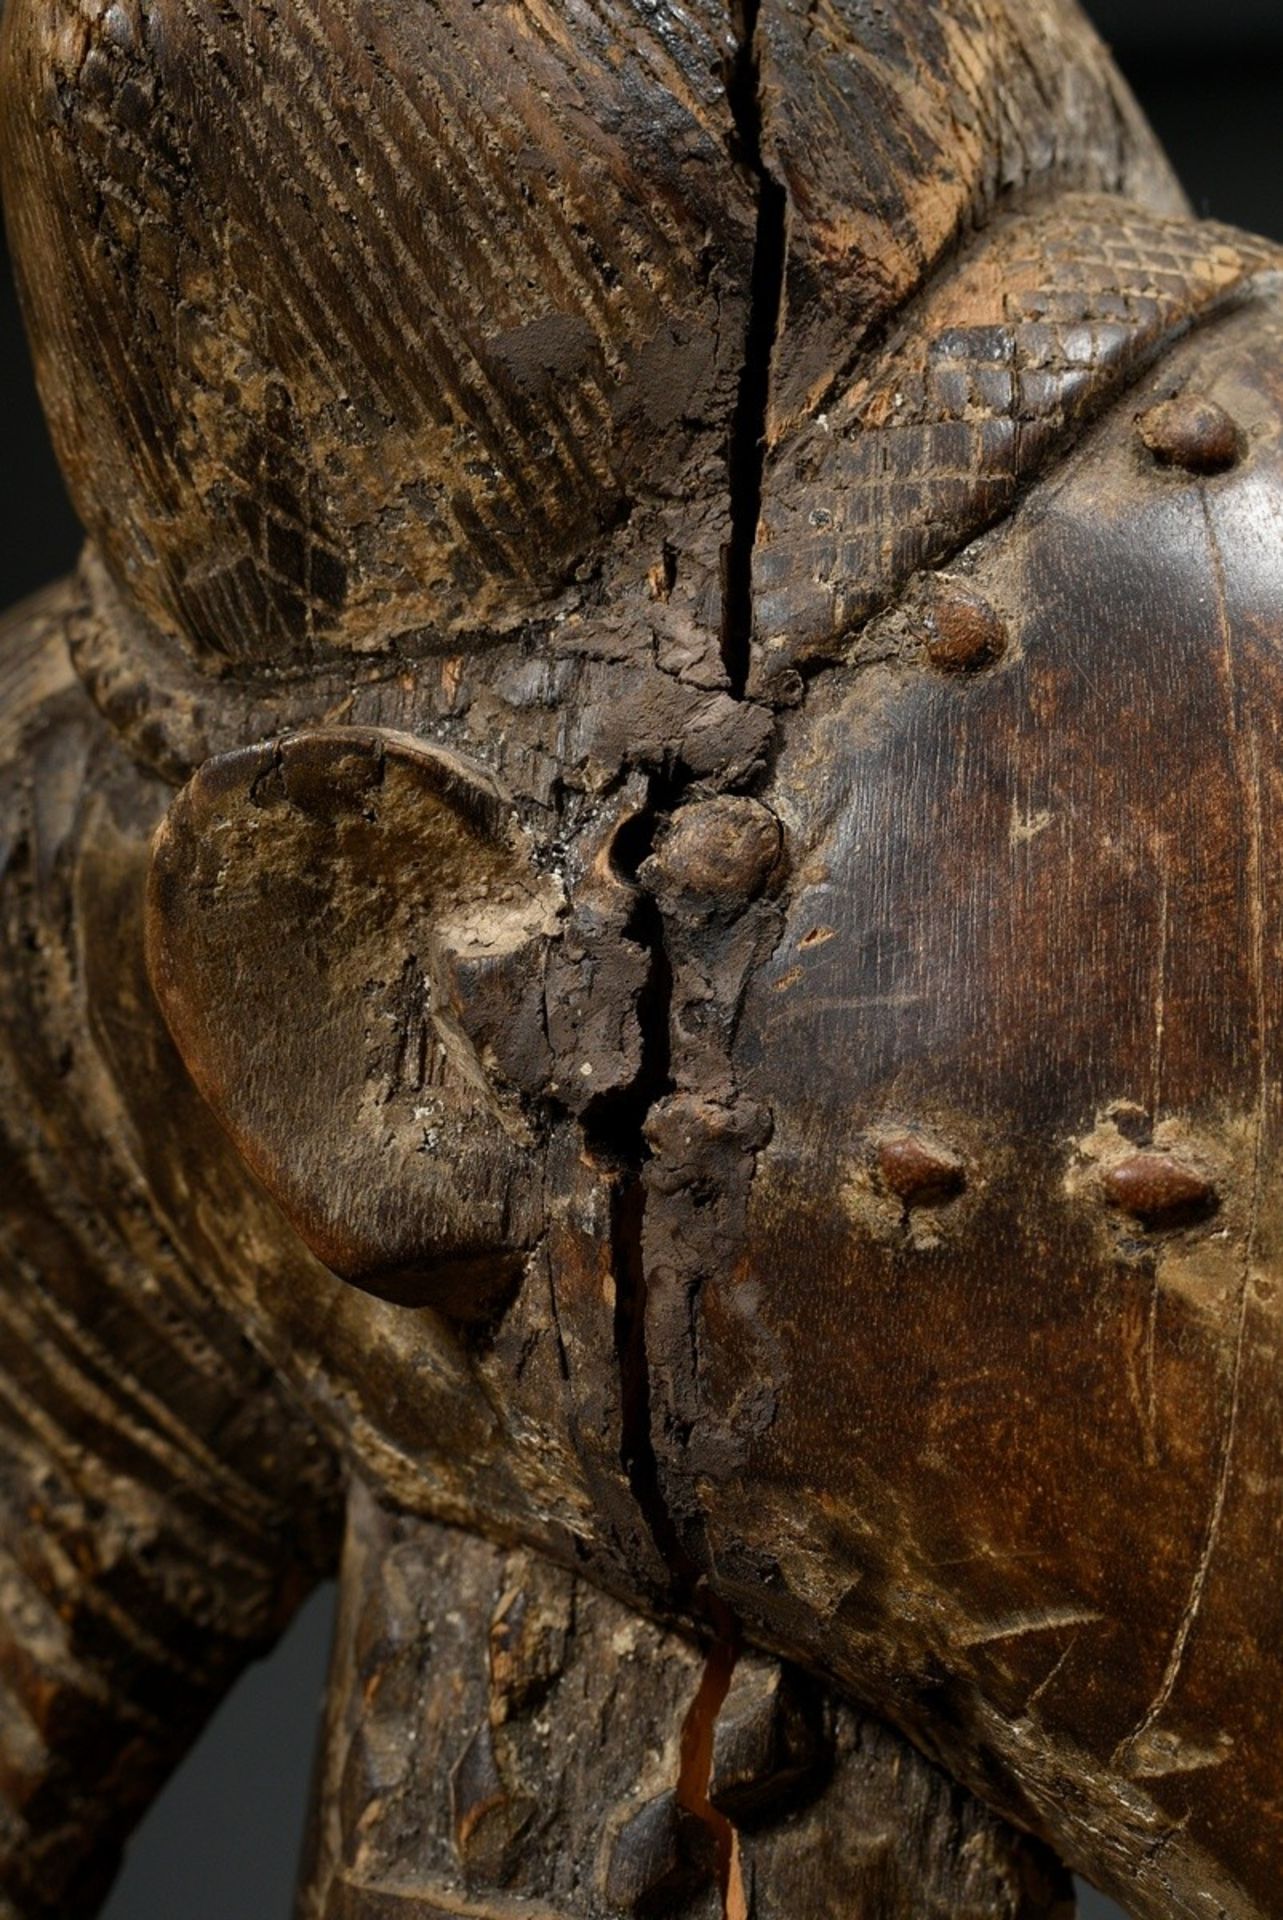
column 747, row 453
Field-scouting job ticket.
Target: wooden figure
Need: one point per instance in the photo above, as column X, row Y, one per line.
column 641, row 976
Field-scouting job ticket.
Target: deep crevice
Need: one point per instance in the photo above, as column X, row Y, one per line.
column 747, row 450
column 636, row 1439
column 614, row 1130
column 616, row 1125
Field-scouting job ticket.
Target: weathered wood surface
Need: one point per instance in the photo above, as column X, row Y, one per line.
column 690, row 605
column 503, row 1741
column 166, row 1503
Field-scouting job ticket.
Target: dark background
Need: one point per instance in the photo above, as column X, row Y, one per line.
column 222, row 1843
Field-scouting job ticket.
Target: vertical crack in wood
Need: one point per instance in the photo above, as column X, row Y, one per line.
column 617, row 1125
column 699, row 1731
column 637, row 1445
column 625, row 1123
column 747, row 449
column 614, row 1128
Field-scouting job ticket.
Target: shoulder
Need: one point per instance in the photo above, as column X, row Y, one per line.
column 1044, row 325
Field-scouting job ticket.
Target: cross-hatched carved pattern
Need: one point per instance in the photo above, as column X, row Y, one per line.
column 970, row 88
column 289, row 582
column 369, row 246
column 1037, row 329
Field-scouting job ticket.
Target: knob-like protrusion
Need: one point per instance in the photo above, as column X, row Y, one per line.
column 716, row 853
column 1191, row 433
column 1158, row 1189
column 963, row 631
column 919, row 1172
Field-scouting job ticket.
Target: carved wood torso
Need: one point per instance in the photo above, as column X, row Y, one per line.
column 639, row 961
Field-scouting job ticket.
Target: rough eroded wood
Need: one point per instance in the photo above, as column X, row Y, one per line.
column 505, row 1741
